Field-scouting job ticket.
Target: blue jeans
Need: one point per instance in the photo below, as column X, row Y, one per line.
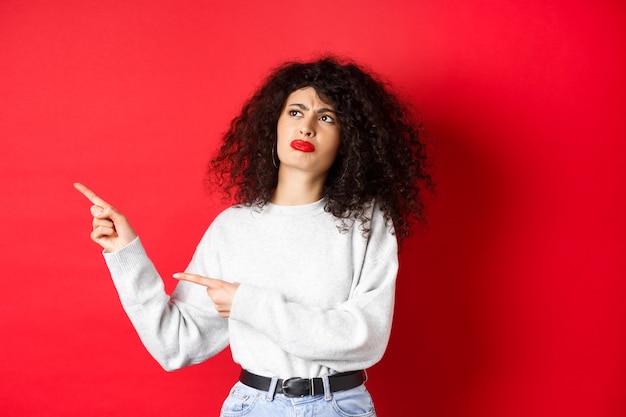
column 246, row 401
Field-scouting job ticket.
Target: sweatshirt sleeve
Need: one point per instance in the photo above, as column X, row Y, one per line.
column 351, row 336
column 177, row 331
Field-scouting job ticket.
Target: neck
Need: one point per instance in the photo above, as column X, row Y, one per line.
column 297, row 188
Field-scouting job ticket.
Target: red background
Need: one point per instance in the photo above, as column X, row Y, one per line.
column 510, row 303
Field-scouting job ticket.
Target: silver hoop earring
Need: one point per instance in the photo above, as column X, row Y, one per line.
column 274, row 156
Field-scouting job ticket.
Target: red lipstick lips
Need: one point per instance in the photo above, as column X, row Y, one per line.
column 302, row 145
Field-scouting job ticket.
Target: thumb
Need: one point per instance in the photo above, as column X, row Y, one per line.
column 96, row 211
column 120, row 223
column 107, row 212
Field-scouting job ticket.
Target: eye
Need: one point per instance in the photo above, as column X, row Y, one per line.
column 294, row 113
column 326, row 118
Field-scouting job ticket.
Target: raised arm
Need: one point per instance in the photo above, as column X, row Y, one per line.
column 176, row 333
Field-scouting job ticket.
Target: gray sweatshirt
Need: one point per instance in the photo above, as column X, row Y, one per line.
column 313, row 300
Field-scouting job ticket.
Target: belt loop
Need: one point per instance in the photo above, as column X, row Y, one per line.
column 327, row 394
column 272, row 390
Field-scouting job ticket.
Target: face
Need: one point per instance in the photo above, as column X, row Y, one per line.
column 309, row 133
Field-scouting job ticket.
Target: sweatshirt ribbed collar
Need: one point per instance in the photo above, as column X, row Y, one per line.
column 304, row 210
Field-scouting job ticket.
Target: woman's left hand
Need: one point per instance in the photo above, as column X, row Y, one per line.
column 221, row 292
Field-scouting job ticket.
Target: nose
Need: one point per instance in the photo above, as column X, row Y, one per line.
column 306, row 129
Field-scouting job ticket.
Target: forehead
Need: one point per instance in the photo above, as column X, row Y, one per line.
column 308, row 95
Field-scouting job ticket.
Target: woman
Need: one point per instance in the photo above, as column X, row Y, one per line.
column 325, row 165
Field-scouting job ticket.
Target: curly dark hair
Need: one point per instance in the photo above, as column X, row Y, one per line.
column 382, row 157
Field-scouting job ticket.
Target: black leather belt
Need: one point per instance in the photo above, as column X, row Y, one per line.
column 299, row 387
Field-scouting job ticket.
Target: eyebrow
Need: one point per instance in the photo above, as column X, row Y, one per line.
column 320, row 110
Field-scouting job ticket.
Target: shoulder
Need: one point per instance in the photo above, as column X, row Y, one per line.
column 372, row 215
column 239, row 212
column 380, row 226
column 228, row 217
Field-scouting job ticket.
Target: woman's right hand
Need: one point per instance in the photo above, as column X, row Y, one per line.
column 111, row 230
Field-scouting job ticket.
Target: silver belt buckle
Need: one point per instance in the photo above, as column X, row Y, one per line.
column 297, row 387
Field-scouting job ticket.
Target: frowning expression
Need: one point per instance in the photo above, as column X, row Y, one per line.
column 309, row 133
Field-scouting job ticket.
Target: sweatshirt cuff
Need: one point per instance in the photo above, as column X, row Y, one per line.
column 133, row 274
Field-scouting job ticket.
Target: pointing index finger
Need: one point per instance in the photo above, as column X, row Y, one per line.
column 198, row 279
column 91, row 196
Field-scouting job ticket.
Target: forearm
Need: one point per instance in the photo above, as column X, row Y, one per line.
column 354, row 334
column 175, row 332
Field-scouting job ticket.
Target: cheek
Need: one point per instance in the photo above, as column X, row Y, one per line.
column 282, row 139
column 282, row 130
column 332, row 151
column 336, row 143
